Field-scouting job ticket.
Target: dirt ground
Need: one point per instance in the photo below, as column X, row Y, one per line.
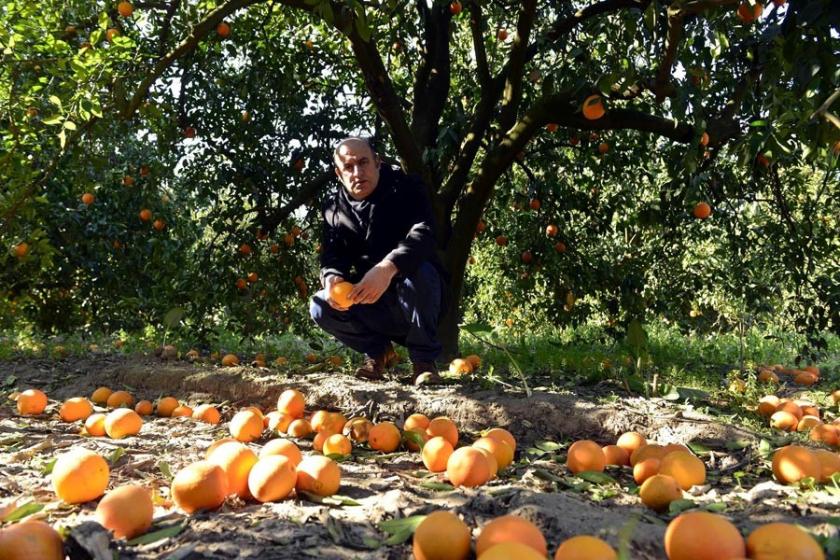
column 378, row 488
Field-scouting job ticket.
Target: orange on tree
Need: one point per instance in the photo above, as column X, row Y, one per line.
column 560, row 247
column 704, row 139
column 702, row 211
column 272, row 478
column 252, row 277
column 527, row 257
column 511, row 528
column 31, row 539
column 384, row 437
column 245, row 249
column 593, row 108
column 603, row 148
column 159, row 224
column 749, row 13
column 585, row 547
column 442, row 535
column 223, row 29
column 77, row 408
column 31, row 402
column 700, row 535
column 236, row 460
column 455, row 8
column 501, row 240
column 241, row 284
column 551, row 230
column 88, row 198
column 125, row 9
column 585, row 455
column 282, row 447
column 552, row 127
column 126, row 511
column 776, row 541
column 467, row 466
column 128, row 180
column 145, row 215
column 658, row 491
column 339, row 293
column 199, row 486
column 436, row 453
column 21, row 249
column 122, row 422
column 318, row 475
column 79, row 476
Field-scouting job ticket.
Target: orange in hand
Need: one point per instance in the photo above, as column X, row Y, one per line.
column 339, row 293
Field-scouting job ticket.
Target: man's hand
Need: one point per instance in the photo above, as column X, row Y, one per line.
column 329, row 282
column 371, row 287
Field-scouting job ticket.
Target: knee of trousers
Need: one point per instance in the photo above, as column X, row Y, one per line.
column 318, row 308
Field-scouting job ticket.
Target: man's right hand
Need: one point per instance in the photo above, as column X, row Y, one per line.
column 329, row 282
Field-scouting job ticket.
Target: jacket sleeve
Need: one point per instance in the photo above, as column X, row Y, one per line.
column 334, row 260
column 419, row 243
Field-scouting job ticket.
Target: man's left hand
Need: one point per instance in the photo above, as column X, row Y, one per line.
column 371, row 287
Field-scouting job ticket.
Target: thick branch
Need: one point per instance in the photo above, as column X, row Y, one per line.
column 431, row 88
column 476, row 21
column 513, row 84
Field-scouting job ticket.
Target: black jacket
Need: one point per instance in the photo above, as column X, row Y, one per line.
column 398, row 223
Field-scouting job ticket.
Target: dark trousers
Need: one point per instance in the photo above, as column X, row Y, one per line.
column 407, row 313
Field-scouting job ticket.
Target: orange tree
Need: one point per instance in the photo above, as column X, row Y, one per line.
column 619, row 116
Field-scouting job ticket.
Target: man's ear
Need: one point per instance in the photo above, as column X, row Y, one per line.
column 337, row 173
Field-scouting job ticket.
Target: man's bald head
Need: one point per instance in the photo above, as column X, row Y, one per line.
column 354, row 143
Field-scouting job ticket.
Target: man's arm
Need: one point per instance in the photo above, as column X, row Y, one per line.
column 334, row 255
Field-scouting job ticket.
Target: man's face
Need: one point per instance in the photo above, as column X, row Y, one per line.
column 358, row 168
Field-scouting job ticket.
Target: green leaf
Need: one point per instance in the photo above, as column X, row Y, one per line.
column 48, row 466
column 159, row 535
column 596, row 477
column 165, row 470
column 413, row 437
column 9, row 381
column 55, row 101
column 679, row 506
column 54, row 120
column 438, row 486
column 549, row 446
column 716, row 507
column 69, row 125
column 174, row 316
column 477, row 328
column 400, row 530
column 758, row 123
column 116, row 454
column 334, row 500
column 25, row 510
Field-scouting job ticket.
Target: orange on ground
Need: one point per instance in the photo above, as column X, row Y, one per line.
column 31, row 539
column 207, row 413
column 829, row 463
column 459, row 366
column 784, row 420
column 77, row 408
column 277, row 421
column 320, row 438
column 436, row 454
column 31, row 402
column 792, row 407
column 777, row 541
column 79, row 476
column 492, row 464
column 384, row 437
column 686, row 468
column 166, row 405
column 585, row 547
column 467, row 466
column 300, row 428
column 335, row 422
column 807, row 423
column 647, row 451
column 500, row 450
column 182, row 411
column 100, row 395
column 291, row 402
column 442, row 535
column 510, row 550
column 658, row 491
column 319, row 475
column 593, row 108
column 339, row 293
column 357, row 429
column 212, row 447
column 282, row 447
column 585, row 455
column 122, row 422
column 828, row 434
column 230, row 360
column 511, row 528
column 120, row 398
column 337, row 444
column 767, row 376
column 144, row 408
column 616, row 455
column 272, row 478
column 809, row 410
column 768, row 404
column 502, row 435
column 256, row 410
column 95, row 424
column 236, row 460
column 700, row 535
column 246, row 425
column 805, row 378
column 702, row 211
column 444, row 427
column 199, row 486
column 645, row 469
column 631, row 441
column 126, row 511
column 319, row 420
column 794, row 462
column 474, row 360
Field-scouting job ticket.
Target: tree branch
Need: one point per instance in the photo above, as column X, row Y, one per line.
column 483, row 69
column 431, row 89
column 516, row 63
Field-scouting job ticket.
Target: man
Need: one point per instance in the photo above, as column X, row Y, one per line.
column 379, row 235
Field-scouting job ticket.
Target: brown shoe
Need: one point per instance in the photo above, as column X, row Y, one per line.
column 426, row 373
column 374, row 367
